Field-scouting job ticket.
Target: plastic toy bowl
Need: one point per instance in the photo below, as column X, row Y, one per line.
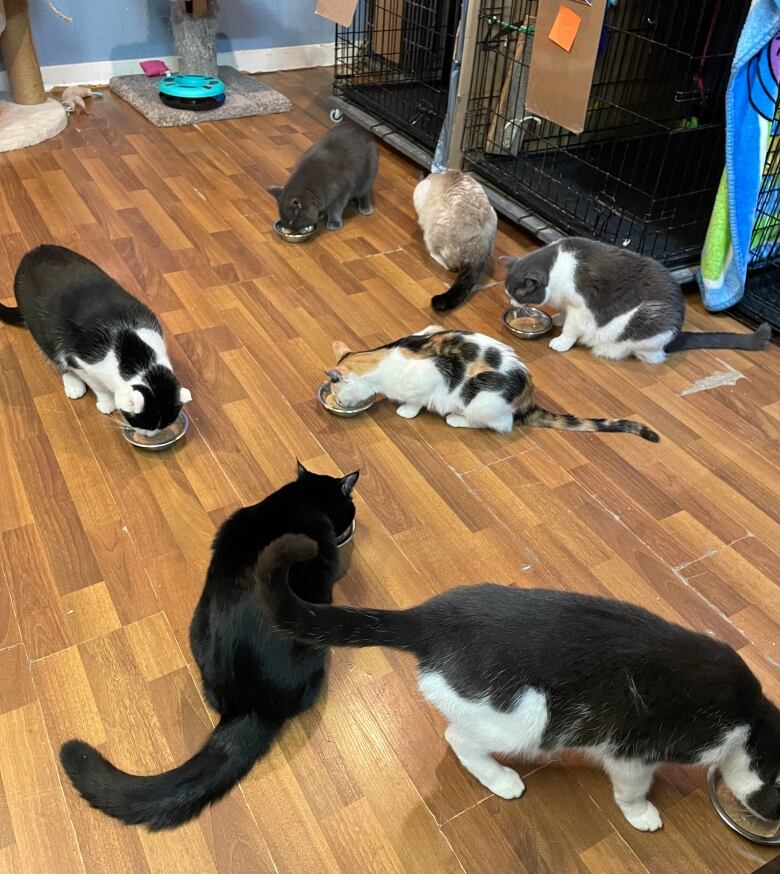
column 737, row 817
column 163, row 439
column 291, row 236
column 326, row 398
column 345, row 544
column 192, row 92
column 526, row 322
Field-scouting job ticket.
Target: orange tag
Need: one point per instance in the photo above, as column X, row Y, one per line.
column 565, row 27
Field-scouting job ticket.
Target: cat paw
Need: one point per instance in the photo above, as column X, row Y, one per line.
column 75, row 388
column 646, row 819
column 105, row 406
column 652, row 357
column 456, row 421
column 335, row 225
column 365, row 207
column 561, row 344
column 408, row 411
column 507, row 784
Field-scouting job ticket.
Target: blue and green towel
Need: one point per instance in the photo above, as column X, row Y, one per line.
column 751, row 122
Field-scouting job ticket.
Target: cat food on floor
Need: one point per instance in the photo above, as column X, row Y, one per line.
column 326, row 398
column 736, row 815
column 527, row 322
column 162, row 439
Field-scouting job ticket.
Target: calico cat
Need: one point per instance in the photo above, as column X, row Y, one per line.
column 97, row 335
column 341, row 166
column 459, row 229
column 470, row 379
column 614, row 301
column 255, row 676
column 528, row 672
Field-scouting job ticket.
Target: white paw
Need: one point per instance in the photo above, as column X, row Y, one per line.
column 408, row 411
column 74, row 387
column 105, row 406
column 652, row 357
column 456, row 421
column 560, row 344
column 646, row 819
column 507, row 785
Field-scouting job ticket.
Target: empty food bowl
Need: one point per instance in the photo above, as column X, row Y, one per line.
column 526, row 322
column 163, row 439
column 326, row 398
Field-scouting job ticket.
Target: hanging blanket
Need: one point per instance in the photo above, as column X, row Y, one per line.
column 751, row 98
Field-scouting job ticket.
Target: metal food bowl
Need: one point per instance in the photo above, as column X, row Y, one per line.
column 326, row 398
column 526, row 322
column 345, row 544
column 292, row 236
column 737, row 817
column 163, row 439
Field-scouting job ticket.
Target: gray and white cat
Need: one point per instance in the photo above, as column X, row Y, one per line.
column 614, row 301
column 97, row 335
column 529, row 672
column 341, row 166
column 459, row 229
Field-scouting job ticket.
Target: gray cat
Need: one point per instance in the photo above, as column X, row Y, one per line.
column 341, row 166
column 614, row 301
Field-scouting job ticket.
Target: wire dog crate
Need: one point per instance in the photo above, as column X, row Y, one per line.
column 761, row 301
column 394, row 62
column 644, row 172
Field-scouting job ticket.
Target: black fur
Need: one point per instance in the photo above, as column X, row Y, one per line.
column 461, row 289
column 493, row 358
column 758, row 339
column 610, row 670
column 75, row 310
column 255, row 676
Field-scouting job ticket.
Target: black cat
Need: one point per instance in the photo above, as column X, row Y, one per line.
column 255, row 676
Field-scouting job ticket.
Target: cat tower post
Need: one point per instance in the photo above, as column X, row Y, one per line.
column 29, row 117
column 194, row 25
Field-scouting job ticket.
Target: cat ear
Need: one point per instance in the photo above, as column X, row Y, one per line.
column 185, row 395
column 300, row 470
column 333, row 375
column 340, row 349
column 506, row 260
column 274, row 190
column 348, row 481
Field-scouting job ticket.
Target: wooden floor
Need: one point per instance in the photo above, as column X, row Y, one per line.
column 103, row 548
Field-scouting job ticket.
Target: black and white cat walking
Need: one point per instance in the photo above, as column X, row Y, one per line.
column 98, row 336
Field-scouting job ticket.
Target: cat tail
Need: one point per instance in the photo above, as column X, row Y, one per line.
column 11, row 315
column 324, row 625
column 174, row 797
column 757, row 339
column 536, row 417
column 464, row 285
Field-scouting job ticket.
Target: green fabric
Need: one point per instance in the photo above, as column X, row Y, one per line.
column 716, row 253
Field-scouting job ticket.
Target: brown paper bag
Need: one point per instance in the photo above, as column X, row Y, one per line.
column 340, row 11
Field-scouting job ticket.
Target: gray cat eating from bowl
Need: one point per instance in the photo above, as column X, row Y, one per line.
column 341, row 166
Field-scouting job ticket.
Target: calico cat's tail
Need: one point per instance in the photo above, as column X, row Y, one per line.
column 536, row 417
column 757, row 339
column 464, row 285
column 11, row 315
column 172, row 798
column 321, row 624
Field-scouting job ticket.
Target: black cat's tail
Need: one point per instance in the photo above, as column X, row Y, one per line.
column 172, row 798
column 464, row 285
column 757, row 339
column 11, row 316
column 320, row 624
column 537, row 417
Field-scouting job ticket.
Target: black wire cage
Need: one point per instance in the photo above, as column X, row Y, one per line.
column 645, row 170
column 761, row 301
column 394, row 62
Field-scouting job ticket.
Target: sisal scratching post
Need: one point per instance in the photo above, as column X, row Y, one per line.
column 194, row 26
column 19, row 57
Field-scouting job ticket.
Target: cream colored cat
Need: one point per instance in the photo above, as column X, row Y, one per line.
column 459, row 229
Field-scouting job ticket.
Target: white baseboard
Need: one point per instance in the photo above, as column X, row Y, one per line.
column 248, row 60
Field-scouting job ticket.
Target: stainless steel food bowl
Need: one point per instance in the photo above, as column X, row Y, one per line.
column 163, row 439
column 346, row 546
column 292, row 236
column 539, row 322
column 326, row 398
column 714, row 782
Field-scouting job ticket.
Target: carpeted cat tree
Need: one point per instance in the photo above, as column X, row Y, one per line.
column 27, row 116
